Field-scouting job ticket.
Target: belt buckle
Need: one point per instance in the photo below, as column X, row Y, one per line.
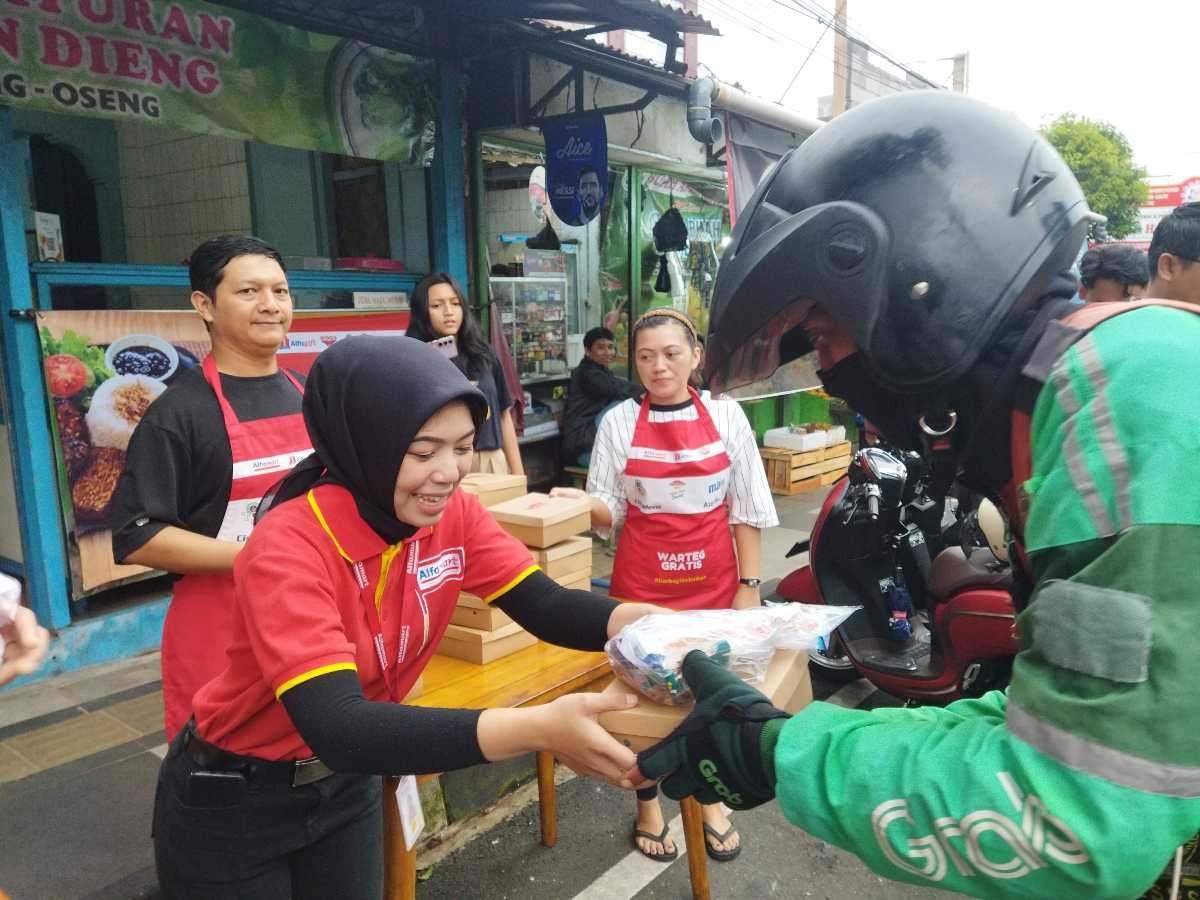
column 307, row 771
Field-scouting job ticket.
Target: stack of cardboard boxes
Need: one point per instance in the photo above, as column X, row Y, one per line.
column 551, row 528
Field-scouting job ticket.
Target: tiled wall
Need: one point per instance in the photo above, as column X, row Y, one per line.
column 508, row 212
column 178, row 189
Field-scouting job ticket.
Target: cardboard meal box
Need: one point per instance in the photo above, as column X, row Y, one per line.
column 472, row 601
column 579, row 582
column 492, row 488
column 786, row 683
column 485, row 618
column 566, row 559
column 481, row 647
column 539, row 520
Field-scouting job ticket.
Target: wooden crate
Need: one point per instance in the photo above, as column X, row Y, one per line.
column 479, row 647
column 837, row 450
column 791, row 471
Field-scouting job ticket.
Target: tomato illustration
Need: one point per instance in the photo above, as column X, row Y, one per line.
column 65, row 374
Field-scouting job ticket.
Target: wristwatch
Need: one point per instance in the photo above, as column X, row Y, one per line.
column 750, row 582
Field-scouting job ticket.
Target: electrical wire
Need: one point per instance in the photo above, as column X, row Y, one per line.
column 740, row 19
column 803, row 64
column 851, row 34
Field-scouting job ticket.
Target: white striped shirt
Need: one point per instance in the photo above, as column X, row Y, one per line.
column 750, row 501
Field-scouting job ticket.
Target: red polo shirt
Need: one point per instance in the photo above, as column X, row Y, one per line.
column 304, row 584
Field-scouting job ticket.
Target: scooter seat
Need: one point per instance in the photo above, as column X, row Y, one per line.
column 952, row 571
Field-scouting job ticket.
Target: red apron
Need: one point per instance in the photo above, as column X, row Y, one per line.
column 199, row 623
column 676, row 548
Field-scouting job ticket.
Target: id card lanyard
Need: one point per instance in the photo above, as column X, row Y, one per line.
column 374, row 607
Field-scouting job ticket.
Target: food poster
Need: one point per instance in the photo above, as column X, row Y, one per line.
column 103, row 370
column 614, row 269
column 705, row 210
column 216, row 70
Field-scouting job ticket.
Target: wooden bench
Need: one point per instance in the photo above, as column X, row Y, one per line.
column 529, row 677
column 578, row 476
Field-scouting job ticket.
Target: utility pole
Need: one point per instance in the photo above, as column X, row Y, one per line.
column 691, row 41
column 959, row 80
column 841, row 61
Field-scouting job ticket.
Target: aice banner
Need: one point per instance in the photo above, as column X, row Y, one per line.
column 576, row 167
column 209, row 69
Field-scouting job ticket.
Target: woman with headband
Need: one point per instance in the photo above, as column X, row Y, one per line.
column 679, row 469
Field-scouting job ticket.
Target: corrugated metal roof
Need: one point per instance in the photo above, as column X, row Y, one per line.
column 404, row 24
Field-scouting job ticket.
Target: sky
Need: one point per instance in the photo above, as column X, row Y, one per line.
column 1129, row 64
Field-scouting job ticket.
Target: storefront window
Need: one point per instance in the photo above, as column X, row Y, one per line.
column 692, row 273
column 547, row 296
column 360, row 213
column 126, row 193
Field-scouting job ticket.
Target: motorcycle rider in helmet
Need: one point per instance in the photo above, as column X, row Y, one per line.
column 919, row 243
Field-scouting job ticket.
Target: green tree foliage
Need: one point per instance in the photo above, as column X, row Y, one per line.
column 1102, row 160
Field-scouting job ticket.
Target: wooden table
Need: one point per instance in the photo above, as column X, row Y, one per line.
column 529, row 677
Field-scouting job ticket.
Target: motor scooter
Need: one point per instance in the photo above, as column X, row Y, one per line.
column 937, row 620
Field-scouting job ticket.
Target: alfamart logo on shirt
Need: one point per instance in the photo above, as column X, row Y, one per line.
column 961, row 842
column 433, row 572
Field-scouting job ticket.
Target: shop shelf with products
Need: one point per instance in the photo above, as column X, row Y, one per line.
column 533, row 311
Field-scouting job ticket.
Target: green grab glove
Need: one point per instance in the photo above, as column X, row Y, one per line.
column 724, row 751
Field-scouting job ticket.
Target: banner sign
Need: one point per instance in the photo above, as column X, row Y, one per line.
column 104, row 368
column 213, row 70
column 576, row 167
column 1162, row 201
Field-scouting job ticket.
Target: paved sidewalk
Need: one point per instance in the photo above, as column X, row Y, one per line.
column 79, row 754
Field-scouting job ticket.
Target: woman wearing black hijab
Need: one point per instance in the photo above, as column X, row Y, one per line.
column 343, row 592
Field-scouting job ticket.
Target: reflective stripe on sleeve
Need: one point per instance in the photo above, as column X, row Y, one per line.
column 1094, row 758
column 1108, row 441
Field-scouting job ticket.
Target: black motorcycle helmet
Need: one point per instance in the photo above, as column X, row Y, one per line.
column 920, row 221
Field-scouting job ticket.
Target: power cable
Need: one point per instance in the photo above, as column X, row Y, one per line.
column 850, row 34
column 803, row 64
column 741, row 20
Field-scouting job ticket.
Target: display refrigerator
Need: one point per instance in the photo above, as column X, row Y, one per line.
column 533, row 311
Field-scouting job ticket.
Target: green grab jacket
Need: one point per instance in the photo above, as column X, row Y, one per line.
column 1082, row 778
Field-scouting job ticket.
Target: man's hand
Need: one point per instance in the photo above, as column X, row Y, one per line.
column 24, row 645
column 724, row 751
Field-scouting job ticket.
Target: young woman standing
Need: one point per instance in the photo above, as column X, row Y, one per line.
column 439, row 309
column 679, row 469
column 343, row 592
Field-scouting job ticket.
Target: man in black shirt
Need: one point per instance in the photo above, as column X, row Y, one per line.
column 206, row 452
column 592, row 390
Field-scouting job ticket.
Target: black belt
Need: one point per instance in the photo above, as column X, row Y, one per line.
column 290, row 772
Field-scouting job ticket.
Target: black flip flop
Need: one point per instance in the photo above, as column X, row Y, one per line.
column 713, row 852
column 668, row 856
